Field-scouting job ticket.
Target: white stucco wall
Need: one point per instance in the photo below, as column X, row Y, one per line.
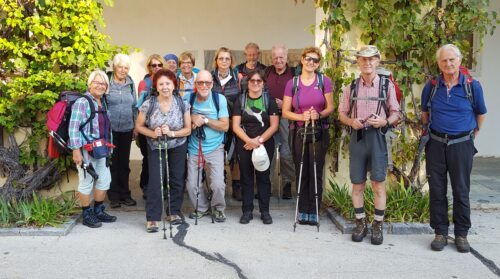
column 487, row 73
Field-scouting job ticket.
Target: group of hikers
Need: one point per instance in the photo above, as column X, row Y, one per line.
column 189, row 123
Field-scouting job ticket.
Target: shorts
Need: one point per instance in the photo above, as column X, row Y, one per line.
column 367, row 155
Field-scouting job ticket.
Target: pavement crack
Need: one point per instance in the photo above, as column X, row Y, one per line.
column 216, row 257
column 485, row 261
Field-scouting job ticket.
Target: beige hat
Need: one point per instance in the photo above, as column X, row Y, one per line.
column 368, row 51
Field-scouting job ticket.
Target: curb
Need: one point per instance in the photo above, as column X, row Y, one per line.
column 45, row 231
column 346, row 226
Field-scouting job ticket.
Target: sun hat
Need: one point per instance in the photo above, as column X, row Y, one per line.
column 260, row 159
column 368, row 51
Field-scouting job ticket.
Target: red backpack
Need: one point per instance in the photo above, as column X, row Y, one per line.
column 58, row 122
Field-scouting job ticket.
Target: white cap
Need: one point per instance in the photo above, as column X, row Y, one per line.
column 260, row 159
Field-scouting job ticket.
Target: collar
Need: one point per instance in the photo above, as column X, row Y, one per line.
column 375, row 81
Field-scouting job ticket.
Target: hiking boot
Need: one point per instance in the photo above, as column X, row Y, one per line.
column 462, row 244
column 246, row 217
column 175, row 219
column 219, row 216
column 198, row 215
column 151, row 226
column 103, row 216
column 439, row 242
column 237, row 194
column 303, row 218
column 377, row 232
column 89, row 218
column 313, row 219
column 287, row 191
column 128, row 202
column 360, row 230
column 114, row 204
column 266, row 218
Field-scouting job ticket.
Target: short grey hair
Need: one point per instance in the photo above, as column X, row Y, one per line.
column 279, row 46
column 452, row 47
column 100, row 73
column 121, row 59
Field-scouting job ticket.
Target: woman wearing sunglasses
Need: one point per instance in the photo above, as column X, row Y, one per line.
column 255, row 120
column 154, row 64
column 308, row 100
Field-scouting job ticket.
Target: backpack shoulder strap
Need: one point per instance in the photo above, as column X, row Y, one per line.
column 295, row 88
column 321, row 83
column 469, row 90
column 215, row 97
column 152, row 104
column 383, row 90
column 243, row 101
column 191, row 100
column 353, row 98
column 265, row 95
column 181, row 103
column 92, row 112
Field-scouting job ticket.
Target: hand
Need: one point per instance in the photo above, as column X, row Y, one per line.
column 252, row 143
column 198, row 120
column 165, row 130
column 314, row 114
column 77, row 157
column 377, row 122
column 158, row 132
column 306, row 116
column 134, row 134
column 279, row 103
column 356, row 123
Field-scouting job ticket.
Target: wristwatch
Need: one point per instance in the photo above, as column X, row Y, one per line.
column 205, row 120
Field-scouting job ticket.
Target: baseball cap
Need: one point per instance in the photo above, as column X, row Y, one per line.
column 260, row 159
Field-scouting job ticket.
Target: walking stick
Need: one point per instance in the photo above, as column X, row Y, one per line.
column 279, row 171
column 168, row 185
column 300, row 175
column 198, row 180
column 315, row 174
column 162, row 187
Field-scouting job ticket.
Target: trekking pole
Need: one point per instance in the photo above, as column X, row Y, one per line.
column 162, row 187
column 300, row 175
column 279, row 171
column 315, row 174
column 168, row 184
column 198, row 182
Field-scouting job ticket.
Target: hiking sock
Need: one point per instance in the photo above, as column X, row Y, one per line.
column 379, row 215
column 85, row 207
column 97, row 203
column 359, row 212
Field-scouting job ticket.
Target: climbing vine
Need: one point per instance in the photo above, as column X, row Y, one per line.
column 408, row 32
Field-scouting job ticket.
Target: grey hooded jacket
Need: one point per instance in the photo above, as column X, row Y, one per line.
column 122, row 101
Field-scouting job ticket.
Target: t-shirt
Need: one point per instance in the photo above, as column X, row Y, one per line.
column 276, row 83
column 213, row 138
column 254, row 117
column 452, row 113
column 173, row 118
column 308, row 96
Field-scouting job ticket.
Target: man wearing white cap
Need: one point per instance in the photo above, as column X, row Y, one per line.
column 369, row 107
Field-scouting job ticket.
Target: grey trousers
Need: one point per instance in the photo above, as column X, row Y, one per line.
column 214, row 167
column 286, row 159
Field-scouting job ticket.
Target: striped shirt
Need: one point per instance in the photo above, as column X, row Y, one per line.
column 80, row 112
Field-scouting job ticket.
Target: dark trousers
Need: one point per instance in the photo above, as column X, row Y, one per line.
column 455, row 160
column 307, row 199
column 177, row 178
column 247, row 175
column 143, row 146
column 120, row 170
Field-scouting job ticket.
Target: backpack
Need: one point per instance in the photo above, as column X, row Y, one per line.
column 385, row 79
column 58, row 118
column 153, row 101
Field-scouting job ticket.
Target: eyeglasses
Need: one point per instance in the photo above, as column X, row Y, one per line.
column 201, row 83
column 187, row 62
column 100, row 83
column 255, row 81
column 309, row 59
column 156, row 65
column 224, row 58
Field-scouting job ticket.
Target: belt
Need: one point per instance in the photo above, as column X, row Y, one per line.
column 451, row 139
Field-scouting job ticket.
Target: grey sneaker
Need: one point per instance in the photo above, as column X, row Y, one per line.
column 462, row 244
column 377, row 232
column 439, row 242
column 360, row 230
column 219, row 216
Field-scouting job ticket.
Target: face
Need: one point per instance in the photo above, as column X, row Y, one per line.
column 368, row 65
column 449, row 62
column 252, row 55
column 279, row 59
column 224, row 60
column 255, row 83
column 98, row 87
column 203, row 83
column 310, row 62
column 120, row 71
column 172, row 65
column 186, row 66
column 155, row 66
column 165, row 86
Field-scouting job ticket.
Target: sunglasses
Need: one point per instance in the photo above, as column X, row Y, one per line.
column 156, row 65
column 255, row 81
column 201, row 83
column 309, row 59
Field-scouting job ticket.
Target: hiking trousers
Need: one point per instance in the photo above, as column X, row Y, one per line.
column 120, row 169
